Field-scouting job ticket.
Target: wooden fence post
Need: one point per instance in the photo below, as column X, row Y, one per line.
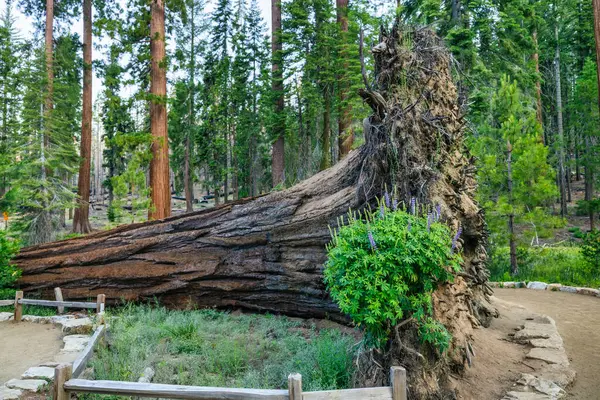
column 59, row 297
column 295, row 386
column 18, row 307
column 100, row 301
column 62, row 373
column 398, row 383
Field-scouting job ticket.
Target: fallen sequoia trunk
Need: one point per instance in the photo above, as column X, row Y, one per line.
column 267, row 253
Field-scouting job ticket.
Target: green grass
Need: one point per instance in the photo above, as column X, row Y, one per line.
column 210, row 348
column 563, row 265
column 32, row 310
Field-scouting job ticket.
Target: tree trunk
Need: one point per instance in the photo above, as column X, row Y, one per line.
column 278, row 156
column 267, row 253
column 589, row 169
column 81, row 221
column 538, row 83
column 49, row 47
column 561, row 137
column 187, row 176
column 514, row 267
column 159, row 166
column 326, row 138
column 345, row 131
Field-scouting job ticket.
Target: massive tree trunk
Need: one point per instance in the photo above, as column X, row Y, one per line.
column 267, row 253
column 346, row 134
column 159, row 166
column 561, row 136
column 278, row 152
column 81, row 221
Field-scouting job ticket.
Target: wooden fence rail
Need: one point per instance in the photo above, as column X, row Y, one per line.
column 64, row 385
column 59, row 303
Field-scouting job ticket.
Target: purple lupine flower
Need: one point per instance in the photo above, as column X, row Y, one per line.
column 386, row 195
column 372, row 241
column 408, row 226
column 429, row 218
column 395, row 204
column 381, row 211
column 438, row 209
column 455, row 238
column 413, row 204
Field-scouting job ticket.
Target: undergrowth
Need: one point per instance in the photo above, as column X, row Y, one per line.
column 211, row 348
column 565, row 265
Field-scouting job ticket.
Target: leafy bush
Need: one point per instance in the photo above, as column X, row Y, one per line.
column 591, row 251
column 382, row 269
column 8, row 272
column 565, row 265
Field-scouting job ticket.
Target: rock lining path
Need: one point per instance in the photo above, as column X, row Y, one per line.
column 578, row 320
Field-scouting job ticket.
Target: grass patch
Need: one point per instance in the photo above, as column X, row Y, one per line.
column 564, row 265
column 32, row 310
column 210, row 348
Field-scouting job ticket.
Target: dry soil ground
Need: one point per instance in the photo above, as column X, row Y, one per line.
column 578, row 320
column 26, row 345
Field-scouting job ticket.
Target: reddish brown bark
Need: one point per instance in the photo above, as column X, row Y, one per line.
column 81, row 221
column 346, row 133
column 49, row 50
column 538, row 83
column 589, row 176
column 159, row 166
column 278, row 152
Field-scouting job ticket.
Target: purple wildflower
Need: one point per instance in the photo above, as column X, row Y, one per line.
column 386, row 195
column 438, row 210
column 429, row 218
column 372, row 241
column 455, row 238
column 381, row 211
column 413, row 204
column 408, row 226
column 395, row 204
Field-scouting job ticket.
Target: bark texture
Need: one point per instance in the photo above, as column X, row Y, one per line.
column 81, row 220
column 346, row 134
column 278, row 152
column 159, row 166
column 267, row 253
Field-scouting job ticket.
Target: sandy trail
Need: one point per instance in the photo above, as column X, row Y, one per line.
column 577, row 319
column 26, row 345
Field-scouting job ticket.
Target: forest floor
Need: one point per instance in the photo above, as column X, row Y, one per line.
column 577, row 320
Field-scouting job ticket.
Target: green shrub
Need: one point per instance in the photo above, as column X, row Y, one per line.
column 565, row 265
column 382, row 269
column 9, row 274
column 591, row 251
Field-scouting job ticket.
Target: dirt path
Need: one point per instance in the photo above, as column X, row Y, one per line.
column 26, row 345
column 577, row 319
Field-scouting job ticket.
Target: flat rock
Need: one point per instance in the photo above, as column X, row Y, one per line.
column 77, row 326
column 534, row 330
column 553, row 342
column 46, row 373
column 9, row 394
column 562, row 376
column 551, row 356
column 569, row 289
column 5, row 316
column 50, row 364
column 537, row 285
column 75, row 343
column 542, row 385
column 32, row 318
column 525, row 396
column 588, row 291
column 32, row 385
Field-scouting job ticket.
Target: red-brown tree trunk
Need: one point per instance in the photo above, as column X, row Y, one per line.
column 159, row 166
column 346, row 133
column 278, row 152
column 538, row 83
column 81, row 221
column 49, row 50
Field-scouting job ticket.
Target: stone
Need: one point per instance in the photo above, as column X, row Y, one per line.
column 6, row 316
column 553, row 342
column 147, row 375
column 534, row 330
column 46, row 373
column 509, row 285
column 51, row 364
column 568, row 289
column 551, row 356
column 75, row 343
column 525, row 396
column 77, row 326
column 31, row 318
column 554, row 287
column 537, row 285
column 494, row 284
column 542, row 386
column 32, row 385
column 562, row 376
column 588, row 291
column 9, row 394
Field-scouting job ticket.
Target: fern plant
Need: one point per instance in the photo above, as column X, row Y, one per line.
column 383, row 266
